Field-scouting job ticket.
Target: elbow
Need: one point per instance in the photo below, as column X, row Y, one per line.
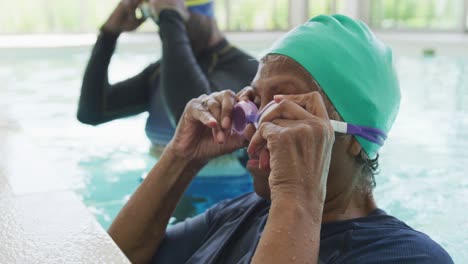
column 139, row 259
column 88, row 118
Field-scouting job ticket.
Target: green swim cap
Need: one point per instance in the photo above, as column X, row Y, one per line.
column 353, row 67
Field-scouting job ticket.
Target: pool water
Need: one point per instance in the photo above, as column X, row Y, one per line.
column 423, row 178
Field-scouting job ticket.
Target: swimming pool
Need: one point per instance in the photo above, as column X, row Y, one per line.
column 423, row 177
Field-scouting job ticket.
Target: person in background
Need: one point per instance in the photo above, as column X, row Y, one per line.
column 313, row 178
column 196, row 59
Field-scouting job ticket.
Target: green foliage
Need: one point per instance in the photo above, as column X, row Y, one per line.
column 416, row 14
column 75, row 16
column 248, row 15
column 320, row 7
column 71, row 16
column 53, row 16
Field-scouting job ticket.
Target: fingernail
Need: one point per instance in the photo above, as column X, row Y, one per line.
column 264, row 158
column 225, row 122
column 250, row 150
column 278, row 98
column 220, row 137
column 212, row 122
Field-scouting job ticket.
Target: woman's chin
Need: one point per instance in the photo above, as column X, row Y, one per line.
column 260, row 179
column 261, row 190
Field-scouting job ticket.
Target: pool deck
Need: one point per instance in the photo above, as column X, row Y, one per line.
column 42, row 220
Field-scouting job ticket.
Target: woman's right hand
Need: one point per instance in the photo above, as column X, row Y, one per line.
column 204, row 130
column 123, row 18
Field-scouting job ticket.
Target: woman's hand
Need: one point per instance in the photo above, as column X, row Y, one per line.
column 298, row 139
column 204, row 130
column 123, row 18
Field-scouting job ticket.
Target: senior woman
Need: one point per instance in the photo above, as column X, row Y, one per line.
column 313, row 179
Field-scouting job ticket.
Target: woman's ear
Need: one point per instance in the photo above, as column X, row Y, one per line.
column 354, row 148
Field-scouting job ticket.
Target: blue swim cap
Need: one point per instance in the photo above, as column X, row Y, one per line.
column 202, row 7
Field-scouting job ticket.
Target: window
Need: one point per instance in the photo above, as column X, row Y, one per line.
column 252, row 15
column 326, row 7
column 67, row 16
column 416, row 14
column 58, row 16
column 466, row 15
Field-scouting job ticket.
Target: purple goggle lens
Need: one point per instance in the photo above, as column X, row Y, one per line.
column 246, row 112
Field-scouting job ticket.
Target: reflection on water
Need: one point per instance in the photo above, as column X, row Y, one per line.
column 422, row 178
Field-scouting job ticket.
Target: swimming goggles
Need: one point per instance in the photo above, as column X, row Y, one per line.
column 246, row 112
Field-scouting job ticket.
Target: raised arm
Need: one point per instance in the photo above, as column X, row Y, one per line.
column 99, row 101
column 299, row 138
column 181, row 76
column 140, row 226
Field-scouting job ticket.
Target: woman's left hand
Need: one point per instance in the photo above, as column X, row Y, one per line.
column 299, row 139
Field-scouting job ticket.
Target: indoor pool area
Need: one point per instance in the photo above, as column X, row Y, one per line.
column 62, row 182
column 422, row 179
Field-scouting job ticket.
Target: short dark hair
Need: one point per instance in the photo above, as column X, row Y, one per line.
column 370, row 168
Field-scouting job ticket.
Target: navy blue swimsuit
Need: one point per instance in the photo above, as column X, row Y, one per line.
column 229, row 233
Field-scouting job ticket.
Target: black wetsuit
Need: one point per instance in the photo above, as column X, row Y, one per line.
column 164, row 87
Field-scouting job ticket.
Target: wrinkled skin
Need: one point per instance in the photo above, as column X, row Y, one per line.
column 296, row 161
column 203, row 130
column 290, row 155
column 297, row 129
column 308, row 139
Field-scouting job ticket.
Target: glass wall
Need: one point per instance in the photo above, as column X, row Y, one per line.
column 416, row 14
column 466, row 16
column 319, row 7
column 53, row 16
column 72, row 16
column 248, row 15
column 252, row 15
